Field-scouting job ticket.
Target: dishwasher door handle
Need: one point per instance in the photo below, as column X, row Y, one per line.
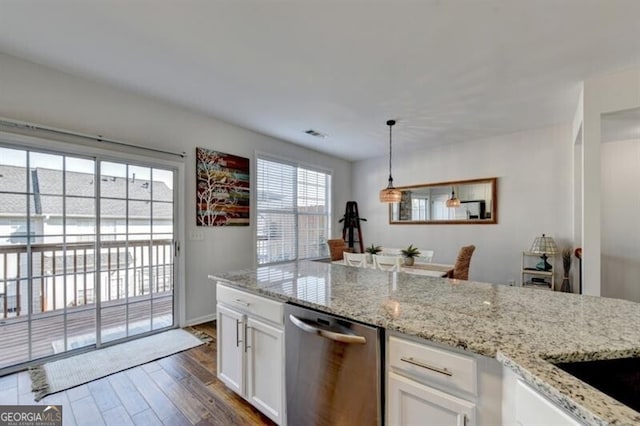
column 311, row 327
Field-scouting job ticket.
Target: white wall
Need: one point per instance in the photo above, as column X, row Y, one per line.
column 620, row 227
column 535, row 181
column 44, row 96
column 602, row 94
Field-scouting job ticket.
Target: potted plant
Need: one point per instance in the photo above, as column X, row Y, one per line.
column 409, row 254
column 371, row 250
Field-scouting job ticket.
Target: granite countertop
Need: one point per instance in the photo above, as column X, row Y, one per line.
column 522, row 328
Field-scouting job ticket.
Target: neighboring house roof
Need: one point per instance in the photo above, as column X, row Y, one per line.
column 46, row 185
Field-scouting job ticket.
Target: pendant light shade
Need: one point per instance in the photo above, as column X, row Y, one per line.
column 453, row 201
column 390, row 194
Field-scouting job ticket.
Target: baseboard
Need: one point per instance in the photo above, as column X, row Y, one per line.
column 200, row 320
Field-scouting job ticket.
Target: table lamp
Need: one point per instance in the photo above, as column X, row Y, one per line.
column 545, row 246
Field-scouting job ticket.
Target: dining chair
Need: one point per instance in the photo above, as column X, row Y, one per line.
column 426, row 256
column 387, row 263
column 461, row 267
column 355, row 259
column 389, row 251
column 337, row 246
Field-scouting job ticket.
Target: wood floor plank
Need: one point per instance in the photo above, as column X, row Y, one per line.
column 202, row 355
column 176, row 420
column 24, row 382
column 146, row 418
column 78, row 392
column 28, row 399
column 150, row 367
column 157, row 400
column 247, row 412
column 173, row 366
column 61, row 398
column 10, row 381
column 117, row 416
column 131, row 399
column 9, row 396
column 103, row 394
column 86, row 412
column 178, row 390
column 195, row 369
column 188, row 404
column 220, row 410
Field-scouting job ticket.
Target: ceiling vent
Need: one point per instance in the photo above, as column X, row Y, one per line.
column 315, row 133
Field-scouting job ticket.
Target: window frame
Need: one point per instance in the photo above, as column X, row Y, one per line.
column 327, row 214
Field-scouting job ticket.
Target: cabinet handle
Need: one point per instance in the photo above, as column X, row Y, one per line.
column 462, row 420
column 427, row 366
column 246, row 336
column 238, row 341
column 241, row 302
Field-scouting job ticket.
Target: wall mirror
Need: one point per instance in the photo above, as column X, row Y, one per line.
column 473, row 202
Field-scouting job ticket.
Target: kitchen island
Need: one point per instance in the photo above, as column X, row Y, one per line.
column 524, row 329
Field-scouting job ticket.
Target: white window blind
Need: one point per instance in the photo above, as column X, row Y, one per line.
column 294, row 211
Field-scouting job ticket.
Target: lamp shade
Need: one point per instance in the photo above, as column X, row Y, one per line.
column 544, row 245
column 453, row 201
column 390, row 195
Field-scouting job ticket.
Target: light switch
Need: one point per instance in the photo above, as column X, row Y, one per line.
column 196, row 235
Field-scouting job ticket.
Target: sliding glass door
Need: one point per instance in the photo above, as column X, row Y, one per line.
column 136, row 246
column 86, row 252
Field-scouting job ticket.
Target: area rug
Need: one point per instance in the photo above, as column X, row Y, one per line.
column 66, row 373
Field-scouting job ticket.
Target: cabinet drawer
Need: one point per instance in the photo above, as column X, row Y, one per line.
column 433, row 365
column 255, row 305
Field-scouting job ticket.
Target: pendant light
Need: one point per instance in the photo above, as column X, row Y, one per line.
column 390, row 194
column 453, row 201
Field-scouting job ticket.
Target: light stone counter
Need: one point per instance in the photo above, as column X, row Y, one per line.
column 522, row 328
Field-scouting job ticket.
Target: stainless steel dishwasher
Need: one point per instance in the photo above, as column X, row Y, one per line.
column 333, row 370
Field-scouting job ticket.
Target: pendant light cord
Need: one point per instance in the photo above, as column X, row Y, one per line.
column 390, row 123
column 390, row 178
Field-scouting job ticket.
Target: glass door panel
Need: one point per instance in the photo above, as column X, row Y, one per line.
column 141, row 229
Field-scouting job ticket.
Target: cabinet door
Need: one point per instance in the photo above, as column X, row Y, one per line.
column 265, row 366
column 230, row 343
column 412, row 403
column 533, row 409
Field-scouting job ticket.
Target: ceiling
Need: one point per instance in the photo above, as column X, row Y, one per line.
column 448, row 71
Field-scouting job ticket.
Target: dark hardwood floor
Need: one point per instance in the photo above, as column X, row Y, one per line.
column 181, row 389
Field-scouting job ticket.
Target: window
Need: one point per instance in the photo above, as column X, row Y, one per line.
column 294, row 211
column 420, row 208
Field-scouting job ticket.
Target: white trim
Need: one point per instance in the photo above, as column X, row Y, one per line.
column 201, row 320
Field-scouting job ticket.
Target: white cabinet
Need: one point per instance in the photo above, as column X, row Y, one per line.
column 524, row 406
column 231, row 348
column 412, row 403
column 251, row 349
column 265, row 356
column 431, row 385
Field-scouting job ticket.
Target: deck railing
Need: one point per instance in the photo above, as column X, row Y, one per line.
column 65, row 275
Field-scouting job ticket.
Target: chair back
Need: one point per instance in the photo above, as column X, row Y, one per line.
column 337, row 246
column 426, row 256
column 390, row 251
column 355, row 259
column 461, row 268
column 387, row 263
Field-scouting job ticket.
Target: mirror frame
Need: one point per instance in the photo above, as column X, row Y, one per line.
column 493, row 181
